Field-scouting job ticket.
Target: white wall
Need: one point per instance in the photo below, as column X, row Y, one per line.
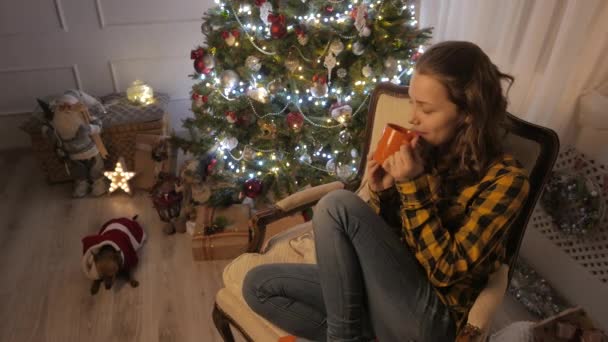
column 99, row 46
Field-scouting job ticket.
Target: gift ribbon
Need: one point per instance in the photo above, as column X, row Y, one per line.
column 198, row 53
column 279, row 19
column 200, row 97
column 320, row 79
column 235, row 33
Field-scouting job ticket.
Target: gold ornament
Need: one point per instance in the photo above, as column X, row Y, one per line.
column 248, row 153
column 292, row 63
column 268, row 129
column 119, row 177
column 275, row 86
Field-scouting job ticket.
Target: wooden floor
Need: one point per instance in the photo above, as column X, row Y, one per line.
column 44, row 296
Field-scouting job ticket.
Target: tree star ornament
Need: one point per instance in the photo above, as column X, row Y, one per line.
column 119, row 177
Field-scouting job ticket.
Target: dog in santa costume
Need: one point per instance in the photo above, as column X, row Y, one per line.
column 112, row 252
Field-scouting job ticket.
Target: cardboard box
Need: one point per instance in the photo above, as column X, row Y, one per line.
column 228, row 244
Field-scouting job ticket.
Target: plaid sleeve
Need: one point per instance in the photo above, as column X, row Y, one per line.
column 448, row 257
column 374, row 200
column 386, row 203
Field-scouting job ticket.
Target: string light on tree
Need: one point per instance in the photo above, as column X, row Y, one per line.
column 119, row 177
column 301, row 80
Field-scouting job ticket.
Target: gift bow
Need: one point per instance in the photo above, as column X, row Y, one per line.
column 279, row 19
column 320, row 79
column 198, row 53
column 235, row 33
column 200, row 97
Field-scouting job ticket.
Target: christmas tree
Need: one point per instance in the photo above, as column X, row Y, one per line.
column 282, row 87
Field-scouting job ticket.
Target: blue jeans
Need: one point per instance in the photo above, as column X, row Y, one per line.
column 366, row 283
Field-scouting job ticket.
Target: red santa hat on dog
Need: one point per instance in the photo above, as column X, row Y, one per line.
column 125, row 235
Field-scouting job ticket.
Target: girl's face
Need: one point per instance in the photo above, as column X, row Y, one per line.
column 433, row 115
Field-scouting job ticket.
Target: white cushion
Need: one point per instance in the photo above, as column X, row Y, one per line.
column 298, row 249
column 255, row 326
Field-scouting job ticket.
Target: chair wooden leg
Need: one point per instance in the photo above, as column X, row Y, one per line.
column 222, row 324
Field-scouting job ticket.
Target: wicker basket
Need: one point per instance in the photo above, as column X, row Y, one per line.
column 121, row 124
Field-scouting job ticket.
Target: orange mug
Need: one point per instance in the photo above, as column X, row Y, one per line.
column 392, row 138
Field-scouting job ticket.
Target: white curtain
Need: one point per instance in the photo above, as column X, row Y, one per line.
column 556, row 50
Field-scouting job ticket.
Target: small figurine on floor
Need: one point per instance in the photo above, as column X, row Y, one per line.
column 76, row 134
column 112, row 252
column 196, row 189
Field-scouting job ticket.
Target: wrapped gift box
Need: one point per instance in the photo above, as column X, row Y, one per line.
column 121, row 123
column 228, row 244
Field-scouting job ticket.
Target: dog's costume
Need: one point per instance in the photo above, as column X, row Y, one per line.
column 125, row 235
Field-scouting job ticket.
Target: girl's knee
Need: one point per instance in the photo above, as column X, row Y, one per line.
column 252, row 283
column 337, row 199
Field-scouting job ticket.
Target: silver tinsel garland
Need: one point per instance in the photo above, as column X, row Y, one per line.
column 534, row 292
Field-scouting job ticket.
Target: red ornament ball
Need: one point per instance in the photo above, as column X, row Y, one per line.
column 295, row 120
column 252, row 188
column 231, row 117
column 278, row 30
column 329, row 8
column 200, row 67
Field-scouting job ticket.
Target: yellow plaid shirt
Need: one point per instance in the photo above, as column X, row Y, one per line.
column 458, row 240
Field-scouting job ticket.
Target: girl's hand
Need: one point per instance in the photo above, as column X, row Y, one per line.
column 378, row 178
column 405, row 164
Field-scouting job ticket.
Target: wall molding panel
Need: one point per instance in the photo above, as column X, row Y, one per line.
column 29, row 83
column 154, row 71
column 104, row 14
column 19, row 19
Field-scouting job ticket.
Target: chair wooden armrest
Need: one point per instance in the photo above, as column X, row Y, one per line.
column 288, row 206
column 488, row 302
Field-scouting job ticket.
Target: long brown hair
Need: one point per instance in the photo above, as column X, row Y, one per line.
column 473, row 83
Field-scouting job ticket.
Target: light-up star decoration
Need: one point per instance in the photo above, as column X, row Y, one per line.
column 119, row 177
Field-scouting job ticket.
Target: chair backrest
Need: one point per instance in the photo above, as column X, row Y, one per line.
column 534, row 146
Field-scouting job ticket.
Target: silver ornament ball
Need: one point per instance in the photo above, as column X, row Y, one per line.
column 229, row 79
column 344, row 137
column 209, row 61
column 253, row 63
column 331, row 166
column 358, row 48
column 305, row 158
column 229, row 143
column 390, row 66
column 319, row 90
column 344, row 172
